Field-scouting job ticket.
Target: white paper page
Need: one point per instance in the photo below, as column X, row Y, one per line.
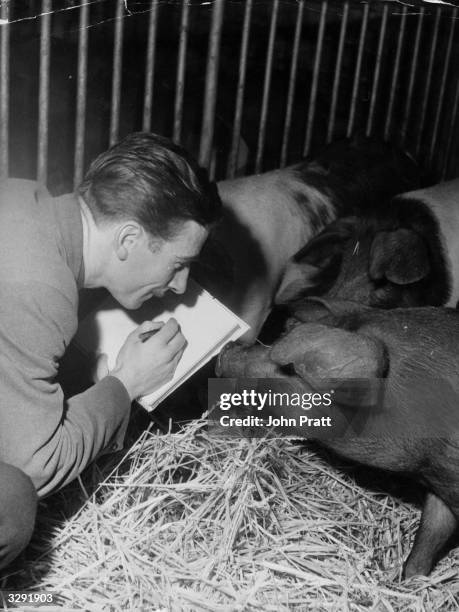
column 205, row 322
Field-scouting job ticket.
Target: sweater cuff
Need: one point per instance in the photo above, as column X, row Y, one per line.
column 116, row 389
column 115, row 394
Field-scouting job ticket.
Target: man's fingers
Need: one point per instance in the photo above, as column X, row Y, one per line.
column 166, row 331
column 179, row 354
column 176, row 359
column 169, row 334
column 169, row 330
column 147, row 326
column 177, row 345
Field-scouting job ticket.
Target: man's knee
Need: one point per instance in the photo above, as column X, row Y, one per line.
column 18, row 505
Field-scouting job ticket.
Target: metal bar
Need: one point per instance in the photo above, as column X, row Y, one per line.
column 336, row 78
column 82, row 79
column 374, row 89
column 4, row 89
column 43, row 92
column 236, row 136
column 315, row 78
column 292, row 83
column 358, row 68
column 180, row 82
column 210, row 94
column 116, row 74
column 393, row 85
column 446, row 64
column 266, row 88
column 452, row 132
column 414, row 63
column 150, row 67
column 420, row 125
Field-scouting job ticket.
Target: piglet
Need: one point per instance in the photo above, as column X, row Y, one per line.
column 410, row 416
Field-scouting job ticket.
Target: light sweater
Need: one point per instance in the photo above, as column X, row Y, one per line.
column 41, row 269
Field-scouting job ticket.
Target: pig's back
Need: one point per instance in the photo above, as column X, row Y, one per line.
column 424, row 341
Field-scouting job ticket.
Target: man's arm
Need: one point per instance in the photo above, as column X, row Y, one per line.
column 51, row 439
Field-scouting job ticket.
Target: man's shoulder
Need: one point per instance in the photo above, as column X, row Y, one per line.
column 19, row 183
column 36, row 305
column 23, row 200
column 29, row 249
column 22, row 188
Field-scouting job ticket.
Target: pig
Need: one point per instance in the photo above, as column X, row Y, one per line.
column 403, row 255
column 268, row 217
column 408, row 362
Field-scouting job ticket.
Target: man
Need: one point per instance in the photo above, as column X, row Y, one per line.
column 140, row 218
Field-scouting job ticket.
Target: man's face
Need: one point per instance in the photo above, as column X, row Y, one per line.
column 151, row 267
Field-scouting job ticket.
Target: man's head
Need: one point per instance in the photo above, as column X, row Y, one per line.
column 150, row 207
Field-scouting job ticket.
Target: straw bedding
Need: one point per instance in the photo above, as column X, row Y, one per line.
column 196, row 521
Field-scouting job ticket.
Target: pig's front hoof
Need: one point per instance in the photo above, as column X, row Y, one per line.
column 411, row 569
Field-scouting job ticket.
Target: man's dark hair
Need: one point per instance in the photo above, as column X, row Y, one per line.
column 150, row 179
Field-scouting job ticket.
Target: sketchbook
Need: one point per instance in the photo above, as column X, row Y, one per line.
column 204, row 321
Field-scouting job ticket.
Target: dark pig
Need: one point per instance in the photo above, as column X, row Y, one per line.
column 408, row 360
column 406, row 254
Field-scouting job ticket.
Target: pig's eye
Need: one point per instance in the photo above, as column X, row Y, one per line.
column 380, row 284
column 382, row 297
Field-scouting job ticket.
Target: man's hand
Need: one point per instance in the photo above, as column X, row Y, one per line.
column 144, row 366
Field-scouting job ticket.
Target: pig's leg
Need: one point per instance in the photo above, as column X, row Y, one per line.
column 437, row 525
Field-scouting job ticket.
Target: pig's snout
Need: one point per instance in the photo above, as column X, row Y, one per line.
column 225, row 358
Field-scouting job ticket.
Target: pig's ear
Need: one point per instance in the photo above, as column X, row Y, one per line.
column 400, row 255
column 326, row 244
column 324, row 352
column 320, row 248
column 297, row 278
column 316, row 256
column 324, row 356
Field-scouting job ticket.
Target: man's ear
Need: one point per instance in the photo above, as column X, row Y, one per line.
column 127, row 236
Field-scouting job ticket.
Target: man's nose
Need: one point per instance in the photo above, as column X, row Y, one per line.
column 178, row 283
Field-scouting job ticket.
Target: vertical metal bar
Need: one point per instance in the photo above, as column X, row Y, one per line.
column 315, row 78
column 452, row 132
column 4, row 89
column 236, row 136
column 393, row 85
column 210, row 94
column 336, row 78
column 358, row 68
column 292, row 83
column 425, row 97
column 414, row 63
column 266, row 88
column 116, row 74
column 441, row 95
column 180, row 81
column 379, row 52
column 43, row 92
column 150, row 67
column 81, row 94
